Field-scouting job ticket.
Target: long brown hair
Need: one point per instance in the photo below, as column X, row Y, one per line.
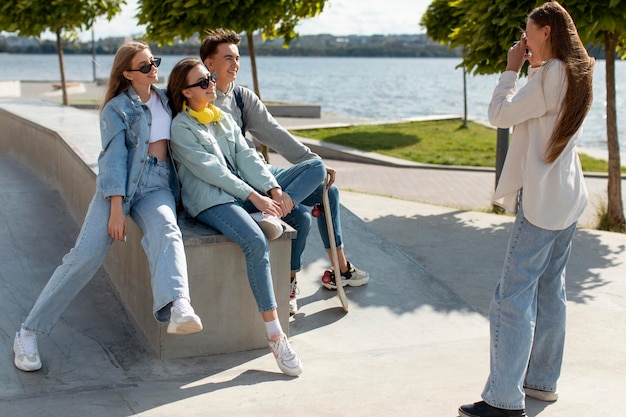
column 177, row 82
column 567, row 47
column 123, row 57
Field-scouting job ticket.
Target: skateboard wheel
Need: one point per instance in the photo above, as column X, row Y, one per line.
column 317, row 210
column 327, row 278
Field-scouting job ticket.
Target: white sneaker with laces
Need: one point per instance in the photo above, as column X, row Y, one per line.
column 184, row 320
column 293, row 293
column 26, row 352
column 270, row 224
column 286, row 358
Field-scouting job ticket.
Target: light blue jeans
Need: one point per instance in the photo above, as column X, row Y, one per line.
column 527, row 314
column 300, row 217
column 234, row 222
column 154, row 210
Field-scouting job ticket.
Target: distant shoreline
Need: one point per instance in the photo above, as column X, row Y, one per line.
column 378, row 46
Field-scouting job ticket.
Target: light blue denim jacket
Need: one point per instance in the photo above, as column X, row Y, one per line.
column 204, row 174
column 125, row 131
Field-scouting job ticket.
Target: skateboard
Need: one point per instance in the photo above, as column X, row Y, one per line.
column 328, row 274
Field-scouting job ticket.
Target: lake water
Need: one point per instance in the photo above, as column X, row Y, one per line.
column 364, row 88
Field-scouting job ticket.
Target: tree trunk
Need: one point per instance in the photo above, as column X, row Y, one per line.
column 255, row 81
column 464, row 90
column 62, row 68
column 615, row 206
column 464, row 96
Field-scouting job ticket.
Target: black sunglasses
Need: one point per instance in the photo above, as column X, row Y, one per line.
column 204, row 83
column 148, row 67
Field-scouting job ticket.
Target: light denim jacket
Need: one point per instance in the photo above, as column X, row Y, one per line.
column 125, row 131
column 201, row 157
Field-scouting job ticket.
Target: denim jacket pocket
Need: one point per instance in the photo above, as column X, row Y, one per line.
column 133, row 120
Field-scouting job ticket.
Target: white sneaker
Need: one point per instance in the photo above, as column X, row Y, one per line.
column 286, row 358
column 269, row 223
column 184, row 320
column 26, row 352
column 293, row 303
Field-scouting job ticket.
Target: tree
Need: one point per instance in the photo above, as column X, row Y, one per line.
column 487, row 27
column 65, row 18
column 439, row 20
column 604, row 22
column 167, row 20
column 464, row 24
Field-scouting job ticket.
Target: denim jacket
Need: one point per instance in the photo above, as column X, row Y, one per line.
column 125, row 131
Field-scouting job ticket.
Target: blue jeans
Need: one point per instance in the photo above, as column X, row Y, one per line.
column 527, row 314
column 298, row 181
column 300, row 217
column 154, row 210
column 234, row 222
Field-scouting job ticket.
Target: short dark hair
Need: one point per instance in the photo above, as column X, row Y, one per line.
column 215, row 37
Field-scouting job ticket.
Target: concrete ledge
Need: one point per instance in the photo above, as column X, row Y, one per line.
column 219, row 290
column 313, row 111
column 61, row 145
column 10, row 88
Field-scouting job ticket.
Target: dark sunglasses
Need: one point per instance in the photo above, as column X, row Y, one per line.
column 204, row 83
column 148, row 67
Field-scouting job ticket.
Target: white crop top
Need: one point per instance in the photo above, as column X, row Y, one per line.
column 161, row 120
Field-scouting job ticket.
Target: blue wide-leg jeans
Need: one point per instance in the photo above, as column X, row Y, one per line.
column 528, row 314
column 154, row 210
column 234, row 222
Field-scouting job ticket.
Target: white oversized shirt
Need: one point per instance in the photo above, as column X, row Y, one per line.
column 555, row 194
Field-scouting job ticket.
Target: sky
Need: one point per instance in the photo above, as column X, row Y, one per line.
column 340, row 17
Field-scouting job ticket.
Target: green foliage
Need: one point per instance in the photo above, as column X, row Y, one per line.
column 167, row 20
column 32, row 17
column 598, row 19
column 65, row 18
column 487, row 30
column 440, row 19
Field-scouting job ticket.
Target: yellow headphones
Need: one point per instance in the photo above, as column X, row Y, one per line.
column 207, row 115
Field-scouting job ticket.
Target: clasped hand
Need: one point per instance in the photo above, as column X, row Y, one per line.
column 280, row 204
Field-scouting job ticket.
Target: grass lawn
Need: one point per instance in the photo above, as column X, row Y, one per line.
column 442, row 142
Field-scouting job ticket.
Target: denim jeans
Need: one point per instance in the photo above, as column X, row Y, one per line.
column 300, row 217
column 299, row 181
column 527, row 314
column 333, row 198
column 154, row 211
column 234, row 222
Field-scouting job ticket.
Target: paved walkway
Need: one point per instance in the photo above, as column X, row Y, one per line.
column 415, row 342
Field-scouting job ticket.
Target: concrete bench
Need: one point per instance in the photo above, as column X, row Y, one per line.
column 61, row 145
